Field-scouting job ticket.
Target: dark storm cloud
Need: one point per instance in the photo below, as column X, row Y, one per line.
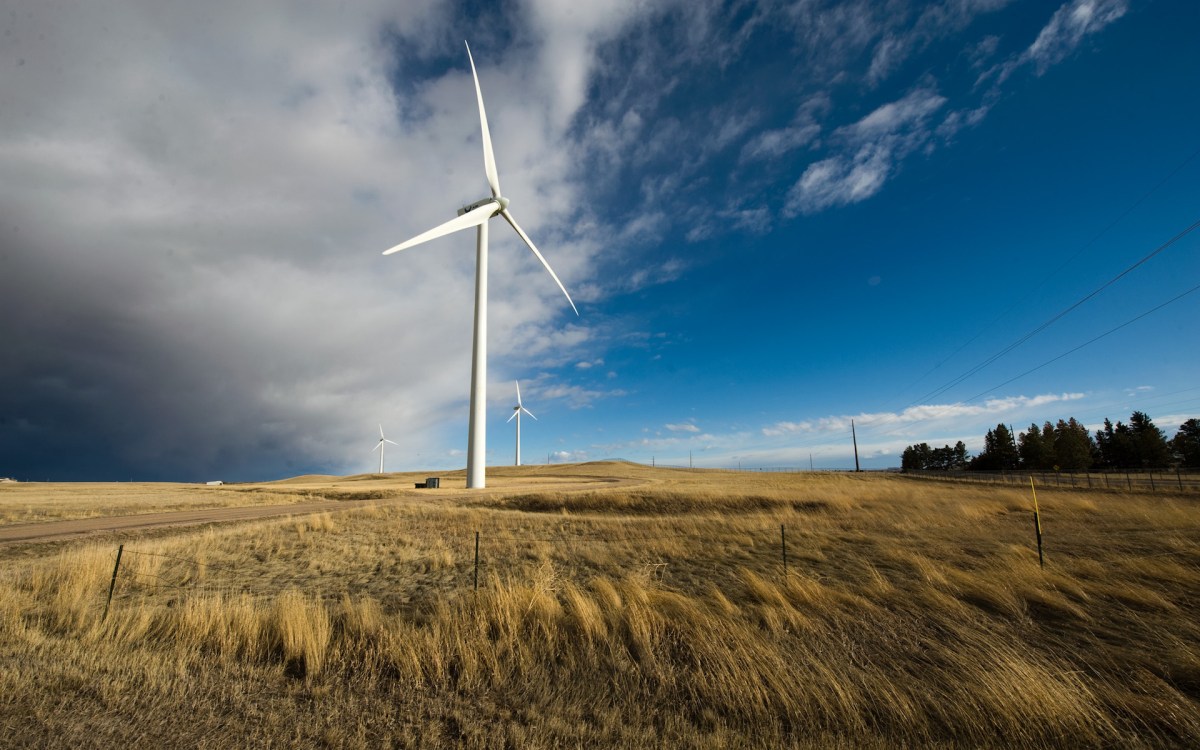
column 192, row 206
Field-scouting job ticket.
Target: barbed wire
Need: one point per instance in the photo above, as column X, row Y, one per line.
column 182, row 559
column 753, row 543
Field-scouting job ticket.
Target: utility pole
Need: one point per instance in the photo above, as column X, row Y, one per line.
column 690, row 460
column 854, row 436
column 810, row 467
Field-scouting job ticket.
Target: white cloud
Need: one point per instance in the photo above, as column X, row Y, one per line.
column 567, row 457
column 840, row 180
column 1067, row 28
column 935, row 21
column 925, row 413
column 907, row 113
column 682, row 427
column 772, row 144
column 1060, row 37
column 576, row 396
column 890, row 51
column 873, row 147
column 569, row 34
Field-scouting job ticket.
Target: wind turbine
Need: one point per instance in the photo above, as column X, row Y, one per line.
column 477, row 215
column 517, row 415
column 379, row 447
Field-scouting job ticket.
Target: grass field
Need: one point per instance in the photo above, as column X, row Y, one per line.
column 619, row 606
column 40, row 501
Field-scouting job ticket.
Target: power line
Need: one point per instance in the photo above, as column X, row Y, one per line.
column 1061, row 266
column 1054, row 359
column 1090, row 341
column 1051, row 321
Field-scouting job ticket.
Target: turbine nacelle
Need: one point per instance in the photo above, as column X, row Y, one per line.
column 379, row 447
column 517, row 412
column 502, row 205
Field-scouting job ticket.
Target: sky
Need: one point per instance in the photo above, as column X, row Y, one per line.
column 774, row 218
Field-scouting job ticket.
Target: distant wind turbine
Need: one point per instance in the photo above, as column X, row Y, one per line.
column 379, row 447
column 517, row 415
column 477, row 215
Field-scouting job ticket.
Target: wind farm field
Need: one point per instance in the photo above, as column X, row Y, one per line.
column 609, row 604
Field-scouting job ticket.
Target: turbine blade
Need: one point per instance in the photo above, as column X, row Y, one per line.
column 514, row 416
column 528, row 412
column 377, row 446
column 472, row 218
column 393, row 442
column 508, row 217
column 518, row 392
column 489, row 159
column 381, row 432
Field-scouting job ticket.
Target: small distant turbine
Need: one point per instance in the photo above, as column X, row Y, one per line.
column 478, row 214
column 379, row 447
column 517, row 415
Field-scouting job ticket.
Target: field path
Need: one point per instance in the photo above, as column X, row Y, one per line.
column 50, row 531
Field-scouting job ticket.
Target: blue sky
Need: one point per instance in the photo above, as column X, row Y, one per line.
column 774, row 218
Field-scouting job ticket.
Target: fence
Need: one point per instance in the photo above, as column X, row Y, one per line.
column 1145, row 480
column 176, row 575
column 186, row 576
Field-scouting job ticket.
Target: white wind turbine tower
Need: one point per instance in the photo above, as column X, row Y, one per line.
column 379, row 447
column 477, row 215
column 517, row 415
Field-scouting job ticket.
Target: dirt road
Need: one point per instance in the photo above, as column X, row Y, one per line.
column 78, row 528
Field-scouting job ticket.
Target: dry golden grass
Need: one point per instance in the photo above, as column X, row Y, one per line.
column 624, row 606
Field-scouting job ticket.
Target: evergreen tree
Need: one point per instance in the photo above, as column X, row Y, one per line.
column 999, row 451
column 1150, row 448
column 1186, row 444
column 915, row 457
column 1114, row 445
column 1073, row 446
column 987, row 459
column 939, row 458
column 1036, row 447
column 921, row 457
column 960, row 459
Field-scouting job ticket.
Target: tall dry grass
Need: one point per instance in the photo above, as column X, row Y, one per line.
column 909, row 615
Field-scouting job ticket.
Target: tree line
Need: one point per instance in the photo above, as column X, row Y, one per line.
column 1067, row 446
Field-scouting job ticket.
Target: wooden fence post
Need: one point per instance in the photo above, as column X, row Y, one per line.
column 113, row 583
column 1037, row 524
column 476, row 560
column 783, row 546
